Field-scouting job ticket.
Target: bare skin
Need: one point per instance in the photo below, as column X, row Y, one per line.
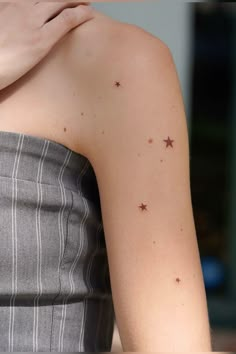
column 51, row 102
column 48, row 102
column 88, row 96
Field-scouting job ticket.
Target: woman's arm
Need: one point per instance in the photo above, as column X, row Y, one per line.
column 140, row 153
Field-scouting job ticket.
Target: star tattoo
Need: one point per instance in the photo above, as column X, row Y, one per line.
column 117, row 84
column 168, row 142
column 143, row 206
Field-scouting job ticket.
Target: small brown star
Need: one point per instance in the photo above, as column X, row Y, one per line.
column 143, row 206
column 178, row 280
column 64, row 129
column 168, row 142
column 150, row 141
column 117, row 84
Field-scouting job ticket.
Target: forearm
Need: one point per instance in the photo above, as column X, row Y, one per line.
column 171, row 324
column 161, row 310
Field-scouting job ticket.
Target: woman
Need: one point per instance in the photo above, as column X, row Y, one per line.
column 95, row 172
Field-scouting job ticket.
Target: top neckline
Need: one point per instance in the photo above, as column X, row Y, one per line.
column 38, row 138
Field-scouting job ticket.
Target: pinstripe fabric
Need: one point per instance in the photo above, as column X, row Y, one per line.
column 55, row 292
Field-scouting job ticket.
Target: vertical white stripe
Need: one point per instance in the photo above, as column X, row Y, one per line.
column 63, row 194
column 14, row 243
column 39, row 246
column 60, row 223
column 85, row 302
column 88, row 279
column 61, row 213
column 72, row 286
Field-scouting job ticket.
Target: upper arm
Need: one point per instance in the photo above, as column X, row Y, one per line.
column 131, row 169
column 153, row 254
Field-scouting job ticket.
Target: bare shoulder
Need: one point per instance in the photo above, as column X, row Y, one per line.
column 104, row 38
column 112, row 62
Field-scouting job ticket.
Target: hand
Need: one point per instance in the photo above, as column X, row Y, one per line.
column 28, row 31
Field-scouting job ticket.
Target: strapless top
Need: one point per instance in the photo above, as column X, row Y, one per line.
column 55, row 292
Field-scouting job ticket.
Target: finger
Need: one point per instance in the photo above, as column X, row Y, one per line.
column 50, row 10
column 60, row 1
column 67, row 20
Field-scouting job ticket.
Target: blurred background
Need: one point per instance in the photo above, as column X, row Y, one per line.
column 202, row 38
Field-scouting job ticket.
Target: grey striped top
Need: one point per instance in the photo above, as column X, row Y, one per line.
column 55, row 292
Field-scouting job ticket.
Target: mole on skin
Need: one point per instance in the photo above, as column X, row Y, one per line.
column 178, row 280
column 64, row 129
